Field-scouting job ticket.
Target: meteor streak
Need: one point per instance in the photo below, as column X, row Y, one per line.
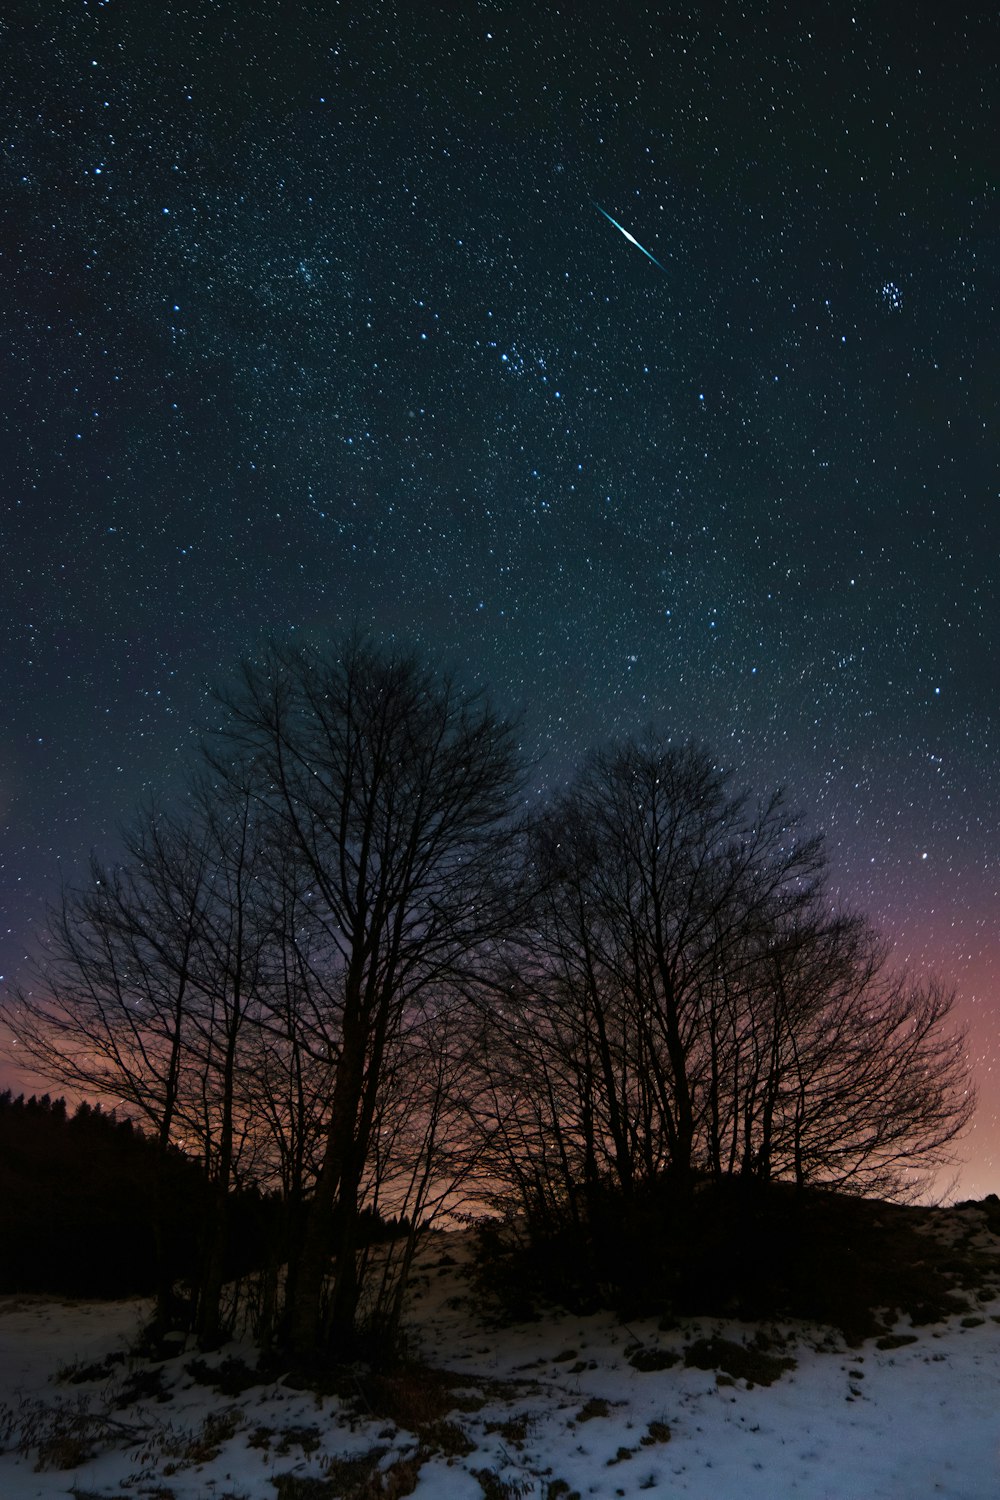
column 630, row 237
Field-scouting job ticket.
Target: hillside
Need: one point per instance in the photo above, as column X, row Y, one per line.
column 706, row 1408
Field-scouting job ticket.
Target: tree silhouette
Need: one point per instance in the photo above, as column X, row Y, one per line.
column 390, row 792
column 690, row 1006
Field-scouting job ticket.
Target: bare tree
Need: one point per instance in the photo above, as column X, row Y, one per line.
column 689, row 1004
column 108, row 1012
column 654, row 872
column 147, row 978
column 394, row 790
column 232, row 976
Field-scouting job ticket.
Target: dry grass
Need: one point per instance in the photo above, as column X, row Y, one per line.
column 595, row 1407
column 495, row 1488
column 647, row 1358
column 514, row 1430
column 356, row 1478
column 746, row 1362
column 61, row 1437
column 218, row 1428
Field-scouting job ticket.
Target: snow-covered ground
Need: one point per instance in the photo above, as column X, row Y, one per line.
column 543, row 1409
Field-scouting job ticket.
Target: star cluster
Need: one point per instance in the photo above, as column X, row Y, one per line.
column 315, row 320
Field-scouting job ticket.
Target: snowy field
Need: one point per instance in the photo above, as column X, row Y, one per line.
column 568, row 1405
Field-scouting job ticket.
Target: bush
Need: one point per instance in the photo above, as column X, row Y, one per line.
column 735, row 1250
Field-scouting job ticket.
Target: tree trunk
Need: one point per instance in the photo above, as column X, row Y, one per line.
column 305, row 1309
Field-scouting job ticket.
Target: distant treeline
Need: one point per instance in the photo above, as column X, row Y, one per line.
column 78, row 1201
column 91, row 1207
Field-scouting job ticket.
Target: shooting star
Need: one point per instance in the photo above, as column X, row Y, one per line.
column 630, row 237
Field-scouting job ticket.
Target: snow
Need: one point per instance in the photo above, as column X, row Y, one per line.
column 558, row 1400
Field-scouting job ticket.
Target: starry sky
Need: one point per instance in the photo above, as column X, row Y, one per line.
column 328, row 314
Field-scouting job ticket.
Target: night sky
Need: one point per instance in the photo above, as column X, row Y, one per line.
column 320, row 315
